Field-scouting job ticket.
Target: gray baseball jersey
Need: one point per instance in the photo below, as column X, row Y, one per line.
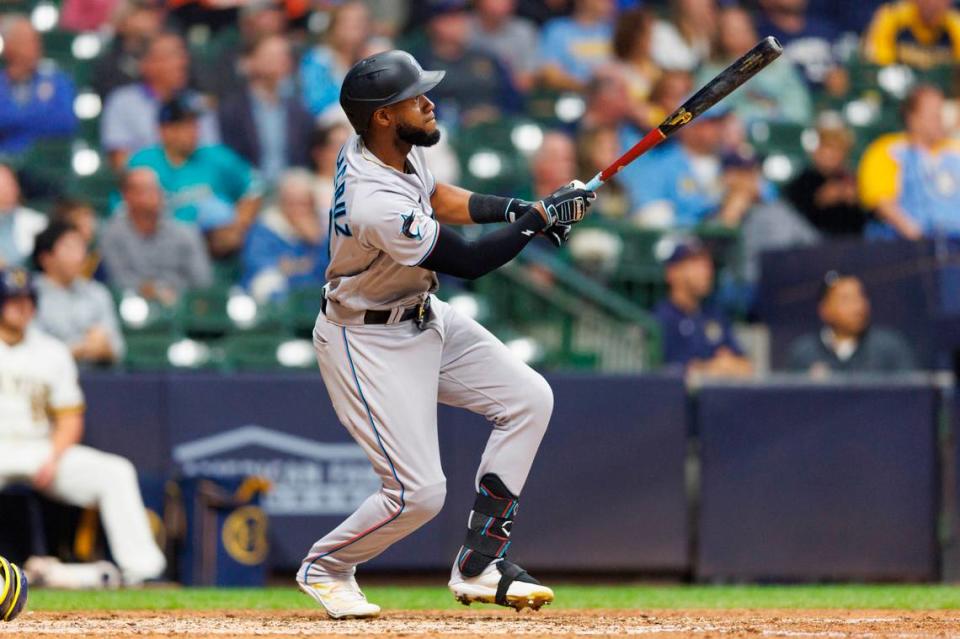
column 381, row 224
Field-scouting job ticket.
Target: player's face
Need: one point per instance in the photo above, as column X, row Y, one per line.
column 416, row 121
column 16, row 314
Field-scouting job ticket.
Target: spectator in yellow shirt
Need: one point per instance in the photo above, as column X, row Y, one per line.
column 911, row 180
column 918, row 33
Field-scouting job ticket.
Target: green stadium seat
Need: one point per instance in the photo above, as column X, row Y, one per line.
column 159, row 320
column 98, row 189
column 226, row 271
column 301, row 309
column 267, row 353
column 58, row 44
column 767, row 138
column 206, row 313
column 170, row 352
column 490, row 159
column 148, row 352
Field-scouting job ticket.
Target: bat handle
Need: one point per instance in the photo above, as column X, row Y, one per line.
column 594, row 182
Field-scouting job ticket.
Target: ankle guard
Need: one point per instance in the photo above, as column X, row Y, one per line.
column 491, row 520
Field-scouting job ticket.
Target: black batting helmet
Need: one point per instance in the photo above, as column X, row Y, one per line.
column 381, row 80
column 16, row 282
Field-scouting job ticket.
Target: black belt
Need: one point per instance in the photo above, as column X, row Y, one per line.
column 383, row 317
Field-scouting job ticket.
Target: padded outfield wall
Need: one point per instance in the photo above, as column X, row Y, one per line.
column 781, row 481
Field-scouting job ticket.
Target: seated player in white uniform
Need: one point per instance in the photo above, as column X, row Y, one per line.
column 41, row 424
column 389, row 351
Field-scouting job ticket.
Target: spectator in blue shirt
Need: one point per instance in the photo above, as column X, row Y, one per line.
column 323, row 67
column 697, row 338
column 571, row 48
column 36, row 99
column 286, row 249
column 210, row 186
column 680, row 183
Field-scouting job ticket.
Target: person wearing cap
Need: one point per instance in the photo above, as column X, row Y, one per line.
column 477, row 87
column 697, row 337
column 78, row 311
column 41, row 428
column 129, row 121
column 389, row 350
column 206, row 185
column 846, row 342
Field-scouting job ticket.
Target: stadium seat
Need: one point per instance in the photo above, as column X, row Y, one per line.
column 215, row 312
column 57, row 45
column 98, row 189
column 148, row 352
column 267, row 353
column 140, row 317
column 169, row 352
column 301, row 309
column 773, row 137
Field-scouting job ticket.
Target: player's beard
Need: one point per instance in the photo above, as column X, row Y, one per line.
column 417, row 137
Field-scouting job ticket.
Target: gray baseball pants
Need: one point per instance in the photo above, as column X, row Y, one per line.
column 385, row 382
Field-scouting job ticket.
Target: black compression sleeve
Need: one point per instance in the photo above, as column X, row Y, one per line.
column 490, row 209
column 456, row 256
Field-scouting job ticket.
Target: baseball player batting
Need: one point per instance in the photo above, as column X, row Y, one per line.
column 389, row 350
column 41, row 424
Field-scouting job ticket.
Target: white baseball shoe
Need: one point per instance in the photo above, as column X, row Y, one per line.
column 502, row 583
column 342, row 599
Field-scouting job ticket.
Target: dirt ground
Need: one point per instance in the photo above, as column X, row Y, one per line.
column 490, row 623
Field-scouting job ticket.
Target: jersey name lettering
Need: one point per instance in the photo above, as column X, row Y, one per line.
column 339, row 208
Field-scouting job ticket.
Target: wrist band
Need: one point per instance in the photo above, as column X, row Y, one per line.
column 491, row 209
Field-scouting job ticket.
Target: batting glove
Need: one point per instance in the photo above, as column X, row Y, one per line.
column 569, row 204
column 558, row 233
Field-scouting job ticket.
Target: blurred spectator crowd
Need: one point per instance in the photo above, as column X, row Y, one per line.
column 156, row 151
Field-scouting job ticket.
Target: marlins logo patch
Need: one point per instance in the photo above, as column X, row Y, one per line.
column 413, row 225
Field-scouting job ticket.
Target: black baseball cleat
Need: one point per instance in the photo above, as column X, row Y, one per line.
column 502, row 583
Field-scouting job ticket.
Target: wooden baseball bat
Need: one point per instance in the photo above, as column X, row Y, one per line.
column 747, row 66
